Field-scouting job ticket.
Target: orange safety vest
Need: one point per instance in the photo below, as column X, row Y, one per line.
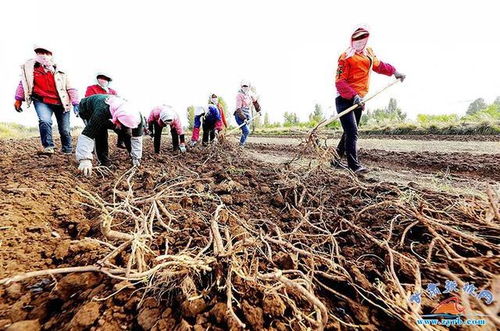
column 355, row 70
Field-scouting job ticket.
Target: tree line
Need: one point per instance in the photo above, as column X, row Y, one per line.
column 478, row 110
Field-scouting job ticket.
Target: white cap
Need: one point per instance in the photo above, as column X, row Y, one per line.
column 43, row 46
column 100, row 73
column 200, row 110
column 167, row 114
column 245, row 82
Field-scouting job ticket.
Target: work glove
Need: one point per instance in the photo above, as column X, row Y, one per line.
column 257, row 106
column 76, row 110
column 17, row 106
column 182, row 147
column 358, row 100
column 192, row 143
column 85, row 167
column 399, row 75
column 136, row 162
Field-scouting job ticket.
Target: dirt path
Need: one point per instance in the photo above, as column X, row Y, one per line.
column 402, row 145
column 460, row 173
column 427, row 137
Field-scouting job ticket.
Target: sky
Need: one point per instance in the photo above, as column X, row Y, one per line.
column 178, row 52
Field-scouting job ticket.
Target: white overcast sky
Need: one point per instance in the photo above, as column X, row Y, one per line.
column 177, row 52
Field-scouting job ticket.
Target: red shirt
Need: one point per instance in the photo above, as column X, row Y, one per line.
column 44, row 86
column 97, row 89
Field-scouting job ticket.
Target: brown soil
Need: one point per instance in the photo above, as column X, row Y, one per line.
column 476, row 166
column 341, row 226
column 396, row 137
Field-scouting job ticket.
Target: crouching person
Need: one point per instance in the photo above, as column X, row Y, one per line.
column 161, row 117
column 102, row 113
column 210, row 120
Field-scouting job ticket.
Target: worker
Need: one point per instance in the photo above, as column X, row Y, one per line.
column 210, row 119
column 243, row 115
column 48, row 87
column 161, row 117
column 352, row 82
column 102, row 113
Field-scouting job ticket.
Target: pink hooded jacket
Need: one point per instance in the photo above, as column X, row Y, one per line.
column 154, row 116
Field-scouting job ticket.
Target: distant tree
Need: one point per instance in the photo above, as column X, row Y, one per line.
column 476, row 106
column 394, row 110
column 267, row 123
column 317, row 115
column 290, row 119
column 190, row 115
column 256, row 122
column 497, row 101
column 391, row 113
column 223, row 104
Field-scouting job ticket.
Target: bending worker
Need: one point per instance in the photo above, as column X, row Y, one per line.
column 159, row 118
column 210, row 120
column 102, row 113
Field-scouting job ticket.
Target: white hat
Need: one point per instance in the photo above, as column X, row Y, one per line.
column 167, row 114
column 103, row 74
column 245, row 82
column 43, row 46
column 200, row 110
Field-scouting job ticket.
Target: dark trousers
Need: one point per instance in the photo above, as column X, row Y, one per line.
column 120, row 141
column 102, row 146
column 208, row 132
column 350, row 123
column 156, row 130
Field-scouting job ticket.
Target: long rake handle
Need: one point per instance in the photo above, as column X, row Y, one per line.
column 348, row 110
column 239, row 127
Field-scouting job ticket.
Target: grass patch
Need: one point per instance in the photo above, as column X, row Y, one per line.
column 14, row 130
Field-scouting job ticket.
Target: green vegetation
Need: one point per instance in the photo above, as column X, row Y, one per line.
column 190, row 116
column 390, row 120
column 13, row 130
column 480, row 118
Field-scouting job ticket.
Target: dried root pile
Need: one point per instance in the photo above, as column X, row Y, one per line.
column 287, row 248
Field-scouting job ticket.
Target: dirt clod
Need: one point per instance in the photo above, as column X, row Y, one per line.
column 29, row 325
column 86, row 316
column 14, row 291
column 193, row 308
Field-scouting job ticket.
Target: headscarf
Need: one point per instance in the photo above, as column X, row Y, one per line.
column 46, row 61
column 358, row 46
column 212, row 97
column 200, row 110
column 167, row 114
column 245, row 90
column 122, row 113
column 105, row 87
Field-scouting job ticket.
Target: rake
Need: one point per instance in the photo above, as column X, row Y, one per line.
column 325, row 122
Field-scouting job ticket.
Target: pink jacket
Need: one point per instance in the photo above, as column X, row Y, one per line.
column 243, row 100
column 154, row 116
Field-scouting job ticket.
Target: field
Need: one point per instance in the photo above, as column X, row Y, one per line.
column 228, row 238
